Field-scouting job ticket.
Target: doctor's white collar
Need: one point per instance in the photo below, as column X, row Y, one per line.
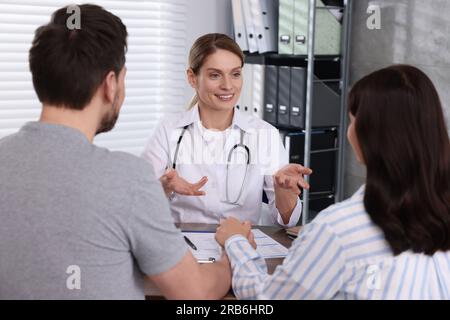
column 192, row 115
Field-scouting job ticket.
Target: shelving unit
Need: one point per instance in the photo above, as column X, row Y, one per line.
column 344, row 66
column 330, row 71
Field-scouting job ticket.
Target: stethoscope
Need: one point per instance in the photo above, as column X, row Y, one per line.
column 234, row 148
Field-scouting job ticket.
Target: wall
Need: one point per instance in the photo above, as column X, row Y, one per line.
column 412, row 31
column 205, row 16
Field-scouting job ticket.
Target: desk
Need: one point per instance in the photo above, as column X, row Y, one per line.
column 276, row 233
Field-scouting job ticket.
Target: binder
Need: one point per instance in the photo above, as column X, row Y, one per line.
column 245, row 100
column 300, row 27
column 287, row 143
column 286, row 27
column 265, row 20
column 249, row 26
column 336, row 8
column 240, row 34
column 327, row 30
column 297, row 97
column 258, row 91
column 270, row 94
column 284, row 80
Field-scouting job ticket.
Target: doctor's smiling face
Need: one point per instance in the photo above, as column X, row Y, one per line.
column 218, row 82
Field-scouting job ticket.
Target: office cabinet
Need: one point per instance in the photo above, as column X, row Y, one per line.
column 305, row 89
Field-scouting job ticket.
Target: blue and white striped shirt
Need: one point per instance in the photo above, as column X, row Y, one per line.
column 342, row 254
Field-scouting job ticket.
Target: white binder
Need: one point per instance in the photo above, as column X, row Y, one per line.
column 240, row 34
column 249, row 26
column 245, row 101
column 327, row 38
column 265, row 21
column 258, row 91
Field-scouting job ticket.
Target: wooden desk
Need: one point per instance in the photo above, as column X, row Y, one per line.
column 276, row 233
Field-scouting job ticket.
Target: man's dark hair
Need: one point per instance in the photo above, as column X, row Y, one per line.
column 69, row 65
column 401, row 131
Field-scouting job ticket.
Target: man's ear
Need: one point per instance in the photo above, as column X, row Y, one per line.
column 192, row 78
column 110, row 86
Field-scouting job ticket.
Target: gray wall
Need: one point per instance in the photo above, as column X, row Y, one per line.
column 416, row 32
column 205, row 16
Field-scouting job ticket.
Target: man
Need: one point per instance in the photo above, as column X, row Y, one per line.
column 79, row 221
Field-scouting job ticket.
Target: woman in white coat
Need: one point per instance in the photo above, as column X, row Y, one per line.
column 214, row 161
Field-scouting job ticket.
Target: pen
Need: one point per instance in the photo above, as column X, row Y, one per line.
column 210, row 260
column 189, row 242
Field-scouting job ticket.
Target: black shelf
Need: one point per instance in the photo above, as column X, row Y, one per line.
column 325, row 66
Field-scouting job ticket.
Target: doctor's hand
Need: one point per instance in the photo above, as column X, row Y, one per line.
column 290, row 177
column 172, row 182
column 232, row 226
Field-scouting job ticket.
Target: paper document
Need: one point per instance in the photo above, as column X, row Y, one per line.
column 207, row 247
column 268, row 247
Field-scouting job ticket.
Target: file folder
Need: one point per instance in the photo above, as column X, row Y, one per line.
column 298, row 97
column 286, row 27
column 326, row 105
column 270, row 94
column 240, row 35
column 284, row 79
column 327, row 30
column 249, row 26
column 258, row 91
column 265, row 18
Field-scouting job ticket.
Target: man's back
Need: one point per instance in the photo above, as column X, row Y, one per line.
column 70, row 210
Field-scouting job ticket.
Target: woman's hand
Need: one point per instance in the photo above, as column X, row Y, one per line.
column 232, row 226
column 172, row 182
column 290, row 177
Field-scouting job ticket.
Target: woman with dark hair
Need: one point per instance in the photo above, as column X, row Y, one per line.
column 391, row 239
column 215, row 162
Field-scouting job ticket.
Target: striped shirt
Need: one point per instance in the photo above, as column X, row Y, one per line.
column 342, row 254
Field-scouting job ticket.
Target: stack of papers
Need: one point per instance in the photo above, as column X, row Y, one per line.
column 207, row 247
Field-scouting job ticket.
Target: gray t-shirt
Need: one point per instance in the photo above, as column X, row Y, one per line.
column 76, row 215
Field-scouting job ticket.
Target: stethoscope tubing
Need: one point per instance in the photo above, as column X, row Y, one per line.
column 236, row 146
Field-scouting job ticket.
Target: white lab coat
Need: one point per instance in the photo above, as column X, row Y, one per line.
column 204, row 152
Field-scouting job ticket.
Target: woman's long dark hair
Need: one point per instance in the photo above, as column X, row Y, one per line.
column 404, row 143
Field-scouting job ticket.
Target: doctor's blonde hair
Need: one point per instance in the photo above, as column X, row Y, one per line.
column 207, row 45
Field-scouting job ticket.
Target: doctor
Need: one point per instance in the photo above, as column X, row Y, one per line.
column 214, row 161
